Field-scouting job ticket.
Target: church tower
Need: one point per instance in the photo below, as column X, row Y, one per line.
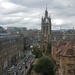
column 45, row 31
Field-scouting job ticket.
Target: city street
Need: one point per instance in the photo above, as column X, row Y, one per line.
column 23, row 66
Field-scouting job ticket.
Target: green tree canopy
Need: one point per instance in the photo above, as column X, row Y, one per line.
column 37, row 52
column 45, row 65
column 49, row 47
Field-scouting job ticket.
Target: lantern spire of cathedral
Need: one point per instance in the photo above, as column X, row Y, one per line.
column 46, row 7
column 46, row 12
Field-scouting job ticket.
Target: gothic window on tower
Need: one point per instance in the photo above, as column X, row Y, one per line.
column 43, row 48
column 46, row 29
column 43, row 29
column 46, row 21
column 45, row 37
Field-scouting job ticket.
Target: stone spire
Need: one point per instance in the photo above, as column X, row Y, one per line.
column 46, row 12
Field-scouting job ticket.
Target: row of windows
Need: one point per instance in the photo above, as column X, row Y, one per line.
column 7, row 50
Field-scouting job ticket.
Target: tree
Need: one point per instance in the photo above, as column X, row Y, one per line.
column 49, row 47
column 45, row 66
column 37, row 52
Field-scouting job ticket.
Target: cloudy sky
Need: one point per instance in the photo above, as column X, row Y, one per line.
column 28, row 13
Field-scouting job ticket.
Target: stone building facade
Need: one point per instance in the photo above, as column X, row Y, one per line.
column 64, row 55
column 45, row 31
column 11, row 48
column 67, row 59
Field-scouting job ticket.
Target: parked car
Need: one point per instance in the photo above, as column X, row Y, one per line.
column 20, row 68
column 13, row 66
column 15, row 73
column 9, row 70
column 22, row 72
column 23, row 63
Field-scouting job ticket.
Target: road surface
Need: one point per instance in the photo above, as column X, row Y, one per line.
column 23, row 66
